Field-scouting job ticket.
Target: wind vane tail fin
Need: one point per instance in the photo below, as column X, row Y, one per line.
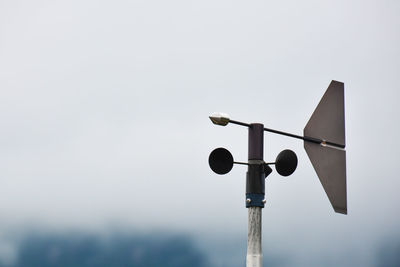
column 329, row 161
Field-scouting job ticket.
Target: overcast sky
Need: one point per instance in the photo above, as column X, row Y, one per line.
column 104, row 114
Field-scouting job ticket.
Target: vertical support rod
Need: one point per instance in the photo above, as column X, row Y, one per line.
column 254, row 250
column 256, row 153
column 256, row 141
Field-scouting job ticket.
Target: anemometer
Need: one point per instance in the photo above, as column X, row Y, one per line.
column 324, row 142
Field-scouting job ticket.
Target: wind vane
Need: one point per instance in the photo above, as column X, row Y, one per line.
column 324, row 142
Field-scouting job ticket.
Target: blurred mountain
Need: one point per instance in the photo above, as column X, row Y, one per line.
column 164, row 249
column 79, row 250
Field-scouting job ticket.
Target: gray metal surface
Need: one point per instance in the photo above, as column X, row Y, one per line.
column 254, row 250
column 330, row 166
column 327, row 121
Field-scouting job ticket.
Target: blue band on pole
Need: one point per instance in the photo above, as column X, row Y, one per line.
column 256, row 200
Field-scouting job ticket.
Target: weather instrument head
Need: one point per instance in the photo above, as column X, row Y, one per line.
column 221, row 162
column 324, row 142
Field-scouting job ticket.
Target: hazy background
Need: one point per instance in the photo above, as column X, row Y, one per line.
column 104, row 122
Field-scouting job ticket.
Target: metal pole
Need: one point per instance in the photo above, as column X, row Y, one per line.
column 255, row 191
column 254, row 250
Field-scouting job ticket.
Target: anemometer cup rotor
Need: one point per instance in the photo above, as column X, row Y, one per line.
column 286, row 162
column 220, row 161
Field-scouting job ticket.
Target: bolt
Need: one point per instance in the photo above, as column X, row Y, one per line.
column 248, row 200
column 264, row 201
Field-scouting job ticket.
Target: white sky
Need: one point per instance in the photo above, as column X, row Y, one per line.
column 104, row 105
